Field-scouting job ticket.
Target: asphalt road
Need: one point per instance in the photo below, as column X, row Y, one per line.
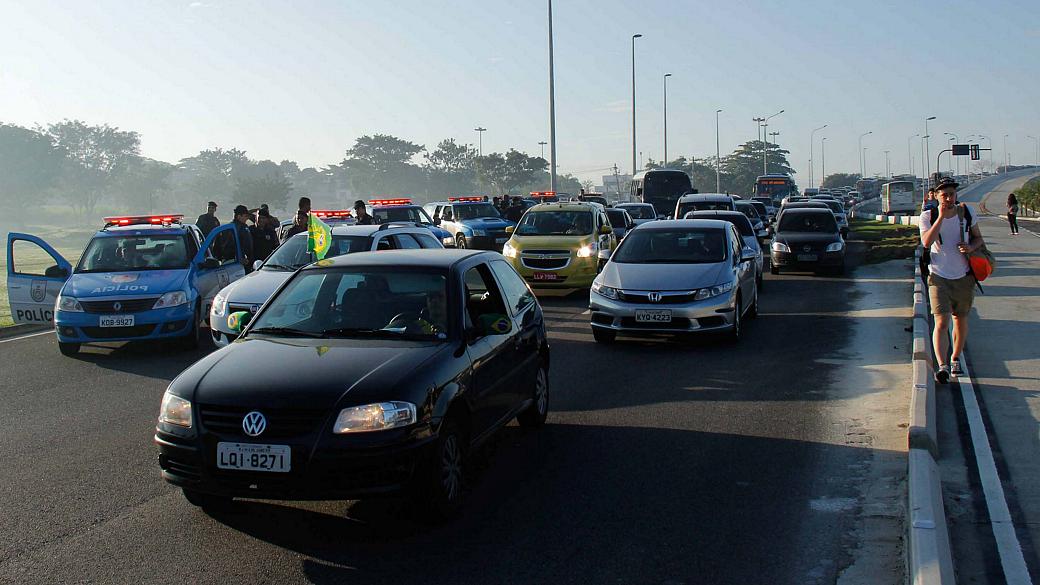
column 777, row 460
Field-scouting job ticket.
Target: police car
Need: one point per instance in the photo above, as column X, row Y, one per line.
column 140, row 278
column 251, row 292
column 402, row 209
column 473, row 222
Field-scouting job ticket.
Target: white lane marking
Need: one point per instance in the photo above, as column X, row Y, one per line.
column 26, row 336
column 1011, row 559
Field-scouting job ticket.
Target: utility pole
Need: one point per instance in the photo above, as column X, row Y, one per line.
column 718, row 162
column 634, row 168
column 665, row 161
column 617, row 182
column 552, row 109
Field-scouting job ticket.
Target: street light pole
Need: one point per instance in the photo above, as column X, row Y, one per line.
column 480, row 139
column 552, row 109
column 823, row 161
column 956, row 170
column 888, row 165
column 927, row 163
column 665, row 161
column 909, row 154
column 718, row 175
column 863, row 159
column 1037, row 140
column 634, row 37
column 765, row 133
column 1006, row 161
column 811, row 141
column 542, row 144
column 862, row 174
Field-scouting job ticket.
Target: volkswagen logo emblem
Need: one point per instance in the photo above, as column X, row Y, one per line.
column 117, row 306
column 655, row 297
column 254, row 423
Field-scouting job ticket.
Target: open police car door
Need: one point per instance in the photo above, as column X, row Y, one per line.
column 35, row 275
column 218, row 263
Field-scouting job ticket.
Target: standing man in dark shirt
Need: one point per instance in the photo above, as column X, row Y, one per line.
column 208, row 221
column 515, row 211
column 265, row 236
column 300, row 220
column 245, row 239
column 361, row 212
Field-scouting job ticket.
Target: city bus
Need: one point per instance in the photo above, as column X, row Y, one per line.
column 775, row 186
column 899, row 197
column 868, row 188
column 661, row 188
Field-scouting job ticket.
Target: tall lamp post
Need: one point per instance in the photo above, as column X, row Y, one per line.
column 990, row 149
column 552, row 110
column 665, row 161
column 823, row 160
column 927, row 163
column 480, row 130
column 909, row 153
column 765, row 148
column 542, row 144
column 862, row 173
column 888, row 165
column 1006, row 160
column 718, row 161
column 863, row 159
column 811, row 141
column 634, row 37
column 957, row 169
column 1037, row 140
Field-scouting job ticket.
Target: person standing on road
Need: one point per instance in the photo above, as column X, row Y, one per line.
column 245, row 238
column 361, row 212
column 950, row 232
column 208, row 221
column 1012, row 213
column 265, row 236
column 300, row 220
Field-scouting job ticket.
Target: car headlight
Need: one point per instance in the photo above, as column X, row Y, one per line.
column 835, row 247
column 604, row 291
column 714, row 291
column 588, row 250
column 448, row 241
column 509, row 251
column 171, row 299
column 175, row 410
column 374, row 417
column 781, row 247
column 219, row 305
column 477, row 232
column 65, row 303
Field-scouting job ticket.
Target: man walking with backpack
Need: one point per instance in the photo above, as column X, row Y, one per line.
column 950, row 233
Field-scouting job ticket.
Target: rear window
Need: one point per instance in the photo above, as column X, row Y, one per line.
column 810, row 222
column 641, row 211
column 617, row 217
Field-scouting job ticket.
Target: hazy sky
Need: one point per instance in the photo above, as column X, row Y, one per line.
column 302, row 80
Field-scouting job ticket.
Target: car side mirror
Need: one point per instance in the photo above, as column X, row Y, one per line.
column 257, row 264
column 747, row 254
column 56, row 272
column 209, row 264
column 238, row 320
column 510, row 229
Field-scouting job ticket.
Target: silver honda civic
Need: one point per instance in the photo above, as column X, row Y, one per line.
column 675, row 276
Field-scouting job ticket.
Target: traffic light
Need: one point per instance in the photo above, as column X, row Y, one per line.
column 974, row 152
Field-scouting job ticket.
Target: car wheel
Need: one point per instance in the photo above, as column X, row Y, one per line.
column 603, row 335
column 735, row 330
column 208, row 502
column 191, row 340
column 440, row 481
column 68, row 349
column 460, row 242
column 536, row 414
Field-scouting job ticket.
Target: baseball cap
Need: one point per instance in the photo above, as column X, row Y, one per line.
column 947, row 183
column 240, row 209
column 211, row 204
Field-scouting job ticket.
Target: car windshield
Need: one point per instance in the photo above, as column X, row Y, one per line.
column 475, row 210
column 835, row 206
column 403, row 213
column 760, row 208
column 294, row 254
column 641, row 211
column 358, row 302
column 704, row 206
column 555, row 223
column 137, row 252
column 617, row 218
column 672, row 246
column 748, row 210
column 808, row 222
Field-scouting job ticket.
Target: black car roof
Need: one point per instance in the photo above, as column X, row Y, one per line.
column 411, row 258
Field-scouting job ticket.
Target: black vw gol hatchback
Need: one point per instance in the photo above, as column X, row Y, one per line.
column 368, row 374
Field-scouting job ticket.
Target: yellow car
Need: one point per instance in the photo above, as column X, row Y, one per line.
column 561, row 245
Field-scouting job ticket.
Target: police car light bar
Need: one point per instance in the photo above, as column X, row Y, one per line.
column 398, row 201
column 542, row 194
column 331, row 213
column 143, row 219
column 457, row 199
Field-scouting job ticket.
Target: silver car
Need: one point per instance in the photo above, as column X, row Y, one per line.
column 640, row 212
column 252, row 291
column 675, row 276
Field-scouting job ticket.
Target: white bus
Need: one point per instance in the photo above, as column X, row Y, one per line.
column 898, row 197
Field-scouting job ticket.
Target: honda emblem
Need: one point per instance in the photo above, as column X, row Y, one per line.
column 654, row 297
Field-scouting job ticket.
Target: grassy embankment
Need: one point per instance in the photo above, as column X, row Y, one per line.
column 885, row 241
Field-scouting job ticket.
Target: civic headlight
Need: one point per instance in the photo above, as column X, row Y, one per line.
column 835, row 247
column 219, row 305
column 175, row 410
column 171, row 299
column 64, row 303
column 714, row 291
column 588, row 250
column 477, row 232
column 604, row 291
column 509, row 251
column 781, row 247
column 448, row 241
column 374, row 417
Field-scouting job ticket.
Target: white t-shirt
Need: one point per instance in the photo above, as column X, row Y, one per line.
column 947, row 261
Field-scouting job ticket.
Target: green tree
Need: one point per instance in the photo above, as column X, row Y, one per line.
column 30, row 164
column 451, row 169
column 506, row 173
column 744, row 165
column 144, row 185
column 381, row 165
column 273, row 189
column 95, row 157
column 840, row 180
column 207, row 176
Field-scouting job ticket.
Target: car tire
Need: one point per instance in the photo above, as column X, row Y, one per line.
column 192, row 340
column 208, row 502
column 735, row 331
column 773, row 269
column 439, row 486
column 67, row 348
column 603, row 335
column 535, row 415
column 460, row 242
